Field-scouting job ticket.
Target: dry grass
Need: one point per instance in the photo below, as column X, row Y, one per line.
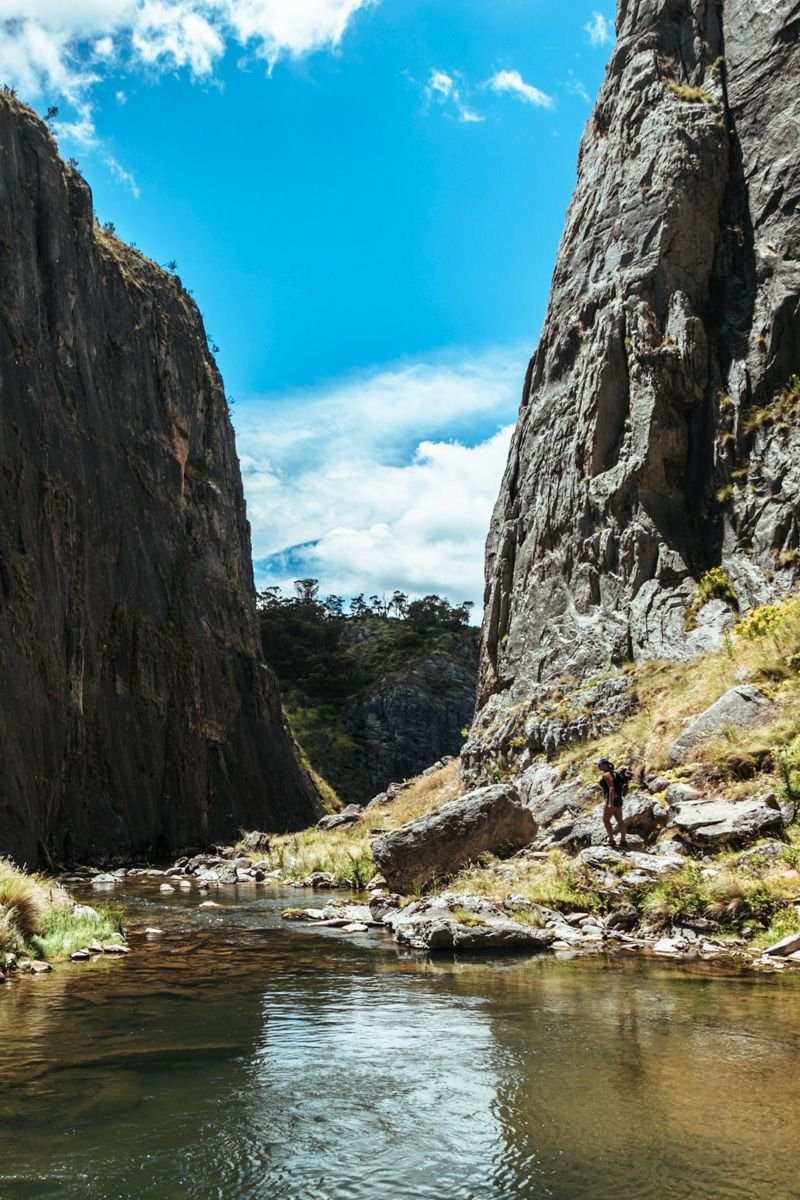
column 25, row 900
column 37, row 917
column 668, row 695
column 345, row 853
column 555, row 882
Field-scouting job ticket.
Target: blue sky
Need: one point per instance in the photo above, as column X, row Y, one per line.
column 365, row 198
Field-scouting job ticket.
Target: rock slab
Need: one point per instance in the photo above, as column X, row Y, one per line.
column 737, row 708
column 455, row 921
column 715, row 823
column 487, row 820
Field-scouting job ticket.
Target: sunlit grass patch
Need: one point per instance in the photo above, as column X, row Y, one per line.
column 555, row 882
column 64, row 932
column 345, row 853
column 37, row 917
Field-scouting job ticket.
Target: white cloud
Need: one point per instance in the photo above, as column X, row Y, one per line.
column 50, row 49
column 446, row 90
column 387, row 482
column 512, row 81
column 123, row 176
column 599, row 30
column 58, row 50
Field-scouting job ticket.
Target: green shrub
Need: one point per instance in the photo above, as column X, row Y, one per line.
column 714, row 585
column 63, row 932
column 692, row 95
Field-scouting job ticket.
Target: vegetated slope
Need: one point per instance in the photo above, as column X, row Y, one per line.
column 658, row 438
column 135, row 707
column 372, row 698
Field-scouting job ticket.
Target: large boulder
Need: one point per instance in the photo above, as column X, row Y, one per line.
column 722, row 822
column 456, row 921
column 486, row 820
column 348, row 816
column 739, row 707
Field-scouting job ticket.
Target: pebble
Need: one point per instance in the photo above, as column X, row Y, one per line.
column 153, row 931
column 355, row 927
column 166, row 887
column 209, row 904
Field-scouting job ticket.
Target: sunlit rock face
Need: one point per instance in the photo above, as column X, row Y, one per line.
column 135, row 708
column 659, row 431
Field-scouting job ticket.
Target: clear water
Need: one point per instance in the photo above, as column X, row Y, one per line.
column 242, row 1058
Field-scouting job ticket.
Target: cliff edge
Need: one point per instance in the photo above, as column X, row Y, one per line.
column 658, row 438
column 135, row 707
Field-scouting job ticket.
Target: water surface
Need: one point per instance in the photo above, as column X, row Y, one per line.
column 243, row 1058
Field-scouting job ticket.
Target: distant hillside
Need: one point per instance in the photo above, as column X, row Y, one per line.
column 375, row 694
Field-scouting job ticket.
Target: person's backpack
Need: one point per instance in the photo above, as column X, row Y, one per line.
column 622, row 780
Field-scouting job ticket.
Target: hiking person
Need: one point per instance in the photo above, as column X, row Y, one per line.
column 613, row 784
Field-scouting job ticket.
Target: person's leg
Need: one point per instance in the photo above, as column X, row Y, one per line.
column 607, row 811
column 620, row 824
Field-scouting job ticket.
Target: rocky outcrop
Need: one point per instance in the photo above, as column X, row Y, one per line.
column 410, row 719
column 719, row 823
column 487, row 820
column 659, row 431
column 456, row 921
column 736, row 709
column 135, row 707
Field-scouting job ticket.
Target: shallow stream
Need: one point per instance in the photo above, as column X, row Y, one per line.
column 240, row 1057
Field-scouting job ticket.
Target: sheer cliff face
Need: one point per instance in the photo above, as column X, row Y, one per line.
column 658, row 433
column 135, row 709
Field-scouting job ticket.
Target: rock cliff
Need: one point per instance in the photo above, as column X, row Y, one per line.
column 135, row 707
column 659, row 432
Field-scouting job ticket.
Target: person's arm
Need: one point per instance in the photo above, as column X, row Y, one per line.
column 610, row 790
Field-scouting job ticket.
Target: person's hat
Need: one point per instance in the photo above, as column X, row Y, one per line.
column 603, row 762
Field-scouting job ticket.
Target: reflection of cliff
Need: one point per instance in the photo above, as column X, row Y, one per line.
column 372, row 700
column 135, row 708
column 658, row 433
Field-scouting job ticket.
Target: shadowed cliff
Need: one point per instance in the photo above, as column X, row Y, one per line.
column 135, row 707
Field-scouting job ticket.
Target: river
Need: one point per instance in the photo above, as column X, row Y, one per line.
column 239, row 1057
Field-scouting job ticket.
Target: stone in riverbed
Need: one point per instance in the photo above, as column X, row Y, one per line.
column 166, row 888
column 487, row 820
column 86, row 910
column 785, row 946
column 104, row 880
column 456, row 921
column 81, row 955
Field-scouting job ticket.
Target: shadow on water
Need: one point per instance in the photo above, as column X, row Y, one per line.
column 241, row 1058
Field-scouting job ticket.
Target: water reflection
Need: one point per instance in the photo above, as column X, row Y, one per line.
column 242, row 1058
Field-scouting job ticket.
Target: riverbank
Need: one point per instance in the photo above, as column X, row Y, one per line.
column 40, row 923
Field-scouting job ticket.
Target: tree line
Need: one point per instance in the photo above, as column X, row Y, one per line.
column 429, row 612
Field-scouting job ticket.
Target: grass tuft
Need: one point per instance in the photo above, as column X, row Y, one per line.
column 37, row 917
